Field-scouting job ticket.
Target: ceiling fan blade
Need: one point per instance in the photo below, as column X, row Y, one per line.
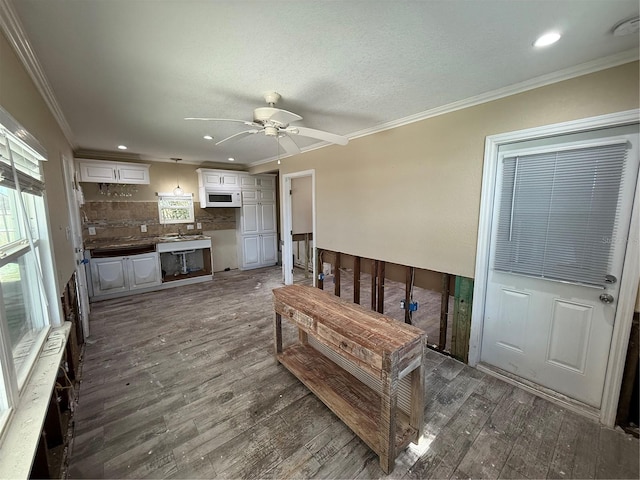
column 245, row 133
column 285, row 117
column 288, row 145
column 319, row 134
column 207, row 119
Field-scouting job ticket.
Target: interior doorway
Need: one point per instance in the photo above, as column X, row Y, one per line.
column 298, row 256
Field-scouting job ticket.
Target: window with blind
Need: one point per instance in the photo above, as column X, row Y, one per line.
column 24, row 313
column 558, row 213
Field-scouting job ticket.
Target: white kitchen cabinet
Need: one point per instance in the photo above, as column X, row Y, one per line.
column 144, row 270
column 257, row 222
column 218, row 178
column 258, row 251
column 121, row 274
column 257, row 181
column 97, row 171
column 258, row 218
column 109, row 275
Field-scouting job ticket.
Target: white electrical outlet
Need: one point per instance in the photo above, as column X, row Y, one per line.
column 143, row 228
column 92, row 230
column 189, row 227
column 199, row 226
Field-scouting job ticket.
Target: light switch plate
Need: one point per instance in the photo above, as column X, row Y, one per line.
column 143, row 228
column 189, row 227
column 92, row 230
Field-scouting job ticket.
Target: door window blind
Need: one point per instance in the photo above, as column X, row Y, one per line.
column 558, row 213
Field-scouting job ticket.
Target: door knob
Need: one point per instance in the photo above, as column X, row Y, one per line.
column 606, row 298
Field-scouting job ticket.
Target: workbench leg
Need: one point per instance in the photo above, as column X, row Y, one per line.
column 303, row 337
column 277, row 333
column 416, row 419
column 389, row 401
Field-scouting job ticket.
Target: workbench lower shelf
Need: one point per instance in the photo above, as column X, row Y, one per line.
column 356, row 404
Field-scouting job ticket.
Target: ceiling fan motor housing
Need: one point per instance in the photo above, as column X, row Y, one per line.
column 263, row 114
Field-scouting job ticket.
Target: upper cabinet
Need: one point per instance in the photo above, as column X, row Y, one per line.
column 218, row 178
column 98, row 171
column 257, row 181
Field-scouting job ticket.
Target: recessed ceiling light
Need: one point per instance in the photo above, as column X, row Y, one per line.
column 122, row 147
column 547, row 39
column 208, row 137
column 231, row 159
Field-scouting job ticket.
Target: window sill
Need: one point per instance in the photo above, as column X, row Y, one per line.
column 23, row 430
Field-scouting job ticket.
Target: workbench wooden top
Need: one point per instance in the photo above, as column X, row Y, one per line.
column 367, row 328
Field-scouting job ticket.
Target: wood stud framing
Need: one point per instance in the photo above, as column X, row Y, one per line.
column 463, row 292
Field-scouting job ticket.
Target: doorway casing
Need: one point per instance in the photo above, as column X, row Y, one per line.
column 631, row 269
column 287, row 223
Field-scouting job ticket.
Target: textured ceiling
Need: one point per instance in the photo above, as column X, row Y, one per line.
column 129, row 71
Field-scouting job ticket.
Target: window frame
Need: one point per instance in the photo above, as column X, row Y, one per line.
column 26, row 186
column 170, row 196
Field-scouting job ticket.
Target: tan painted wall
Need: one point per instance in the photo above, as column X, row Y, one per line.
column 19, row 96
column 411, row 195
column 301, row 205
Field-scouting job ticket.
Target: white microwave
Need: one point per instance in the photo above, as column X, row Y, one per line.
column 219, row 198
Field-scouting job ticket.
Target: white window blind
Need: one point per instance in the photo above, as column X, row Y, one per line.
column 558, row 213
column 26, row 162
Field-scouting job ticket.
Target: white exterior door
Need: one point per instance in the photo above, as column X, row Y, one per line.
column 558, row 241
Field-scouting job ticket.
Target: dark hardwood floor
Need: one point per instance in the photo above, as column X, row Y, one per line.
column 182, row 383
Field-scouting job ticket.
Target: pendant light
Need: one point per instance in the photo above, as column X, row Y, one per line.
column 177, row 191
column 278, row 146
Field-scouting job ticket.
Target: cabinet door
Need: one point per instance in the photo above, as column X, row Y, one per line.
column 211, row 178
column 250, row 218
column 266, row 182
column 144, row 270
column 251, row 251
column 108, row 275
column 133, row 174
column 267, row 217
column 230, row 180
column 97, row 172
column 268, row 249
column 266, row 195
column 249, row 196
column 247, row 181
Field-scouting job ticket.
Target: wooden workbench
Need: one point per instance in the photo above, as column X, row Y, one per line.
column 381, row 346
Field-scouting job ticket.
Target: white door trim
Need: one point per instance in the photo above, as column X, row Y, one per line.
column 287, row 249
column 69, row 171
column 631, row 269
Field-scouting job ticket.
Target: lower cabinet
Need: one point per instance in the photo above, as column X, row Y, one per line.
column 258, row 251
column 122, row 274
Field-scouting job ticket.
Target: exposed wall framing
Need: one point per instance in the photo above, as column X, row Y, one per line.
column 382, row 286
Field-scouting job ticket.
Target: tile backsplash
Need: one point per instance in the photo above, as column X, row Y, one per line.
column 113, row 219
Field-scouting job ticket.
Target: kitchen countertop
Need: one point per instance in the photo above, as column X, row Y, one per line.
column 107, row 243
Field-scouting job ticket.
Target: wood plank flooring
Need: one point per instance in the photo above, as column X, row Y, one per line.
column 182, row 383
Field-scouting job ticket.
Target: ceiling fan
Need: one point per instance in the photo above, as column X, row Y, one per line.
column 274, row 122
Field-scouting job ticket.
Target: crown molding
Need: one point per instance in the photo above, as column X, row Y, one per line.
column 537, row 82
column 551, row 78
column 15, row 34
